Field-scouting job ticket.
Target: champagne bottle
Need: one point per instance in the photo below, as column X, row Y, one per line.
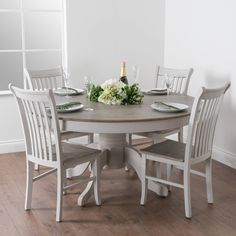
column 123, row 77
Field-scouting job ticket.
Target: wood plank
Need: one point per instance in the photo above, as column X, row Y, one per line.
column 120, row 213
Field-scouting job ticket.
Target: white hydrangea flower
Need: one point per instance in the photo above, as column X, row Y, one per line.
column 114, row 93
column 108, row 83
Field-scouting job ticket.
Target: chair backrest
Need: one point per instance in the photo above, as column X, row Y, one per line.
column 44, row 79
column 40, row 125
column 203, row 119
column 179, row 79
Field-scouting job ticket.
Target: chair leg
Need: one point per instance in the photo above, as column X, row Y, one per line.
column 126, row 167
column 60, row 178
column 129, row 141
column 64, row 182
column 96, row 184
column 90, row 138
column 144, row 182
column 187, row 194
column 209, row 181
column 169, row 169
column 129, row 137
column 159, row 168
column 36, row 166
column 181, row 135
column 29, row 185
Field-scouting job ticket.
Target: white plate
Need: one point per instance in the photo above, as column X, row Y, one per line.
column 70, row 92
column 162, row 108
column 70, row 109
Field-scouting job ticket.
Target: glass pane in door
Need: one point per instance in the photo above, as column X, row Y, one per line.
column 43, row 60
column 10, row 33
column 43, row 30
column 9, row 4
column 11, row 67
column 42, row 4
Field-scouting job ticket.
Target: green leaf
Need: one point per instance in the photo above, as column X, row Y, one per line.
column 94, row 93
column 129, row 95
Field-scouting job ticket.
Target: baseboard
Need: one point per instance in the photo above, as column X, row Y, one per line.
column 18, row 145
column 218, row 154
column 11, row 146
column 224, row 157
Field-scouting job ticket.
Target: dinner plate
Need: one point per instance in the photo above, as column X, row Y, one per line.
column 155, row 91
column 75, row 107
column 68, row 91
column 169, row 107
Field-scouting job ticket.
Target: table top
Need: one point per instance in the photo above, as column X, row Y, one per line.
column 119, row 113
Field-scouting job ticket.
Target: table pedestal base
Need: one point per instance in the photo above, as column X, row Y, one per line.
column 115, row 144
column 116, row 157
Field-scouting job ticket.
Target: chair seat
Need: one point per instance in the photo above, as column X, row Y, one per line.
column 71, row 134
column 74, row 154
column 168, row 149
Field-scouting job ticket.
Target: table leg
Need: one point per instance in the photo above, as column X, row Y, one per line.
column 88, row 192
column 77, row 171
column 114, row 158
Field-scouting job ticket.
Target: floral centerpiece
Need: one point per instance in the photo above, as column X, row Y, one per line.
column 115, row 92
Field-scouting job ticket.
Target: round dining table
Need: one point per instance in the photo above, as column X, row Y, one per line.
column 112, row 123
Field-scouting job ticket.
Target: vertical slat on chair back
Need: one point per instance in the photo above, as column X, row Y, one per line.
column 179, row 79
column 203, row 121
column 41, row 128
column 44, row 79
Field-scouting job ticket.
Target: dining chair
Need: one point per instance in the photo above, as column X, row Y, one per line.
column 198, row 148
column 40, row 123
column 179, row 79
column 40, row 80
column 44, row 79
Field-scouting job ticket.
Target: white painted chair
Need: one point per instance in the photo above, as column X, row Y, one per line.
column 180, row 79
column 40, row 123
column 40, row 80
column 44, row 79
column 198, row 148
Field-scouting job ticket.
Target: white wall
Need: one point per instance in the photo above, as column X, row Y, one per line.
column 11, row 136
column 199, row 34
column 101, row 34
column 202, row 34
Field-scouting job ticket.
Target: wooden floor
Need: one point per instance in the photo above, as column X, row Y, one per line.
column 120, row 213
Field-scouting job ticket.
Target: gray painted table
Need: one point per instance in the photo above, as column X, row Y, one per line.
column 113, row 122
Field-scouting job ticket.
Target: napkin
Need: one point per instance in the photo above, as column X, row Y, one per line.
column 157, row 91
column 167, row 106
column 67, row 105
column 66, row 91
column 72, row 89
